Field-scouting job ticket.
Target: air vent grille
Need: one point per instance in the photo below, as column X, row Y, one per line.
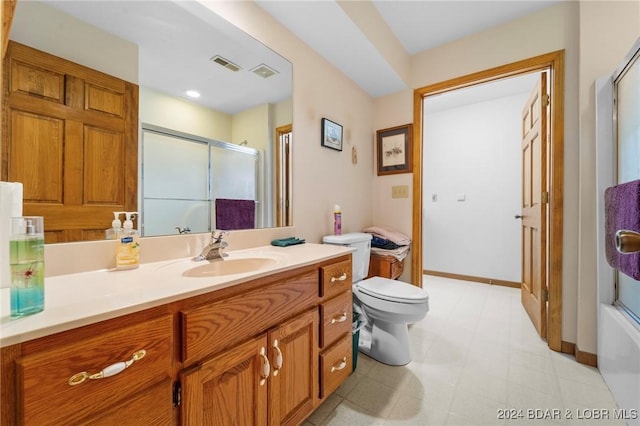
column 264, row 71
column 225, row 63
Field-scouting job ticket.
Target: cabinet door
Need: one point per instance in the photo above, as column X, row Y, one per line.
column 229, row 389
column 294, row 380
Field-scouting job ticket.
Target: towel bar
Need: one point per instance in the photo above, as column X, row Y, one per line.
column 627, row 241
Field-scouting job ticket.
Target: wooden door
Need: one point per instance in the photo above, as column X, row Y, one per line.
column 293, row 387
column 71, row 138
column 229, row 389
column 534, row 206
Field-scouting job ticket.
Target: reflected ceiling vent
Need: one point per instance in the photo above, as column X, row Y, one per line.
column 264, row 71
column 225, row 63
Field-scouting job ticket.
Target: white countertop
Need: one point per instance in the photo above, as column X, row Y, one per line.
column 85, row 298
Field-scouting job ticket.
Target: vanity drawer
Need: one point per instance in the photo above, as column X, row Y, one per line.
column 210, row 328
column 336, row 316
column 43, row 377
column 335, row 279
column 335, row 365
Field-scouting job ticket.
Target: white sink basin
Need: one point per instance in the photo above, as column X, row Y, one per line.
column 229, row 267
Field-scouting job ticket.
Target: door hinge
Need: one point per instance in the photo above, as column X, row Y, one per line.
column 545, row 197
column 546, row 295
column 546, row 100
column 177, row 394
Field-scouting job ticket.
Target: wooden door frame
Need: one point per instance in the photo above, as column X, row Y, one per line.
column 282, row 218
column 554, row 62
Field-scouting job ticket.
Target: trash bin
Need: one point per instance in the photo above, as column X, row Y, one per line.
column 358, row 323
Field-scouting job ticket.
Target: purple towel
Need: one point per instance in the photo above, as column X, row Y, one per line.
column 235, row 214
column 622, row 211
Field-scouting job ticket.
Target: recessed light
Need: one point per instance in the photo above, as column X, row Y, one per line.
column 193, row 93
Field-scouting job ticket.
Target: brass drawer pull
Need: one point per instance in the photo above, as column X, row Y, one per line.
column 108, row 371
column 340, row 366
column 341, row 318
column 342, row 277
column 278, row 363
column 266, row 367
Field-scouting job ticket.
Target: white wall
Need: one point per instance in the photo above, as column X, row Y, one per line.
column 473, row 151
column 322, row 177
column 554, row 28
column 46, row 28
column 608, row 29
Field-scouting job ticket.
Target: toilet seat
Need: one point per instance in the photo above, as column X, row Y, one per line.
column 393, row 291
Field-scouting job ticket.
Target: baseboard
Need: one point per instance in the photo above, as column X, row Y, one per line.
column 586, row 358
column 482, row 280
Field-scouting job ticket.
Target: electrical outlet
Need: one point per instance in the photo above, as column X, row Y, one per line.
column 400, row 191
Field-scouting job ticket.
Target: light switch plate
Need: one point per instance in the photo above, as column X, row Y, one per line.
column 400, row 191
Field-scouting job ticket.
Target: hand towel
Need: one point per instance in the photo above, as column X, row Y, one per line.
column 622, row 211
column 389, row 233
column 10, row 206
column 235, row 214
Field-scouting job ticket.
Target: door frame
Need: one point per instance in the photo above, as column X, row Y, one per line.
column 554, row 63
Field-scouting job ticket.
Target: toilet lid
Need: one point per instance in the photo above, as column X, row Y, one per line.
column 394, row 291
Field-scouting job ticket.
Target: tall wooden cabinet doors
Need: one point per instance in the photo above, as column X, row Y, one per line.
column 271, row 379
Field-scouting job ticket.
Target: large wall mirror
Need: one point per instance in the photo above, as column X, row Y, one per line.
column 240, row 121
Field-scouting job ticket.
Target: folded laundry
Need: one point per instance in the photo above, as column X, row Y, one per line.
column 400, row 253
column 382, row 243
column 389, row 233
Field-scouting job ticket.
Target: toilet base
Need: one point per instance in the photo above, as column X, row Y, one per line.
column 386, row 342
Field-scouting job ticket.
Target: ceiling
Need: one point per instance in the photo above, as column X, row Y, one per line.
column 418, row 25
column 327, row 26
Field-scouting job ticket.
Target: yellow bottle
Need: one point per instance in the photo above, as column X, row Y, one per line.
column 128, row 249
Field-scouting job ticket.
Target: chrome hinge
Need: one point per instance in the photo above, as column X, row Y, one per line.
column 545, row 197
column 177, row 394
column 546, row 100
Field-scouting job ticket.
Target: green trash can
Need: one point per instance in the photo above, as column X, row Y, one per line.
column 356, row 326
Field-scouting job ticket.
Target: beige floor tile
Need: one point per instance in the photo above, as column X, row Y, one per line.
column 475, row 353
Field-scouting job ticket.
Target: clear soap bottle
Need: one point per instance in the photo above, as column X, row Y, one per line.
column 116, row 227
column 128, row 249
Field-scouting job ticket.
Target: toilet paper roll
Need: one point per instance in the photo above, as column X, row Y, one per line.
column 10, row 206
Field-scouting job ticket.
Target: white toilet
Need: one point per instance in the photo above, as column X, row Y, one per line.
column 387, row 306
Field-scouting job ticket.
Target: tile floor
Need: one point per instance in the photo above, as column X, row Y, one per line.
column 475, row 355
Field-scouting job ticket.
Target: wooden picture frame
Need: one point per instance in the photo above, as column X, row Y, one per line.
column 331, row 134
column 394, row 150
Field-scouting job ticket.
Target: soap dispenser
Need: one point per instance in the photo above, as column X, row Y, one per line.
column 128, row 249
column 116, row 227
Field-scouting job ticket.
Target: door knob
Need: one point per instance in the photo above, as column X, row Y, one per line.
column 518, row 216
column 627, row 241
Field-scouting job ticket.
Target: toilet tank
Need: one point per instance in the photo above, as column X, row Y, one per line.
column 362, row 244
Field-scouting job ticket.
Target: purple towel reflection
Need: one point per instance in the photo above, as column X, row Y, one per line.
column 235, row 214
column 622, row 211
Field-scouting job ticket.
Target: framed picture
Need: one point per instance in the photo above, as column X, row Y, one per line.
column 394, row 150
column 331, row 134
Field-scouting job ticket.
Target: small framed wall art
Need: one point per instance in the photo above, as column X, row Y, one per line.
column 331, row 134
column 393, row 148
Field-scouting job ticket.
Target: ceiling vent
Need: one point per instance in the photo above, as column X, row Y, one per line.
column 225, row 63
column 264, row 71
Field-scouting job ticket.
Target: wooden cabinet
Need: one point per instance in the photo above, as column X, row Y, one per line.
column 336, row 313
column 61, row 383
column 264, row 352
column 281, row 361
column 385, row 266
column 71, row 137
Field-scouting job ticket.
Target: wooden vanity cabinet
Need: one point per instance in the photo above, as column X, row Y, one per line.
column 233, row 377
column 52, row 384
column 336, row 313
column 264, row 352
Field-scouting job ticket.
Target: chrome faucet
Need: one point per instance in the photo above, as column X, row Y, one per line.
column 213, row 250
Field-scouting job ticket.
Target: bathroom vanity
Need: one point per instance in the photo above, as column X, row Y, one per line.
column 259, row 347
